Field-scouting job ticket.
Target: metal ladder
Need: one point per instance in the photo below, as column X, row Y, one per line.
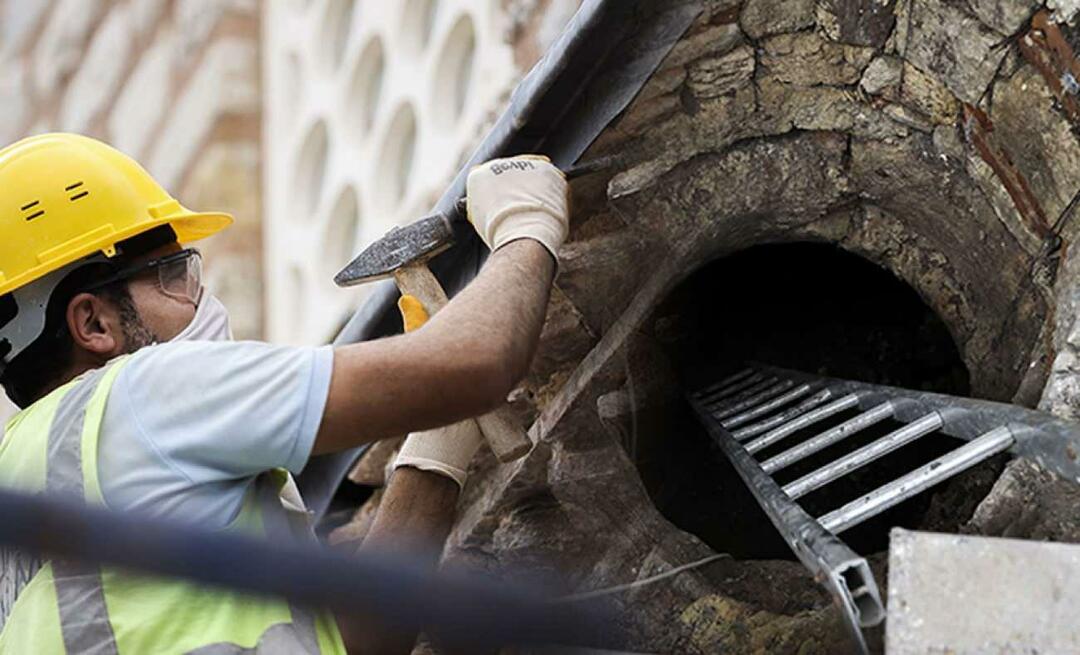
column 762, row 406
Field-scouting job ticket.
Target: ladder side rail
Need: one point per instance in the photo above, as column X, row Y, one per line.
column 843, row 572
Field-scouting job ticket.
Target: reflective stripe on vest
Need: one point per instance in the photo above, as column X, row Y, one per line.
column 81, row 590
column 84, row 618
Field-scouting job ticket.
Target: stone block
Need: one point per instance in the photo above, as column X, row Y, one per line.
column 1004, row 16
column 962, row 52
column 764, row 17
column 858, row 22
column 1040, row 141
column 711, row 77
column 94, row 85
column 59, row 49
column 807, row 59
column 967, row 595
column 927, row 94
column 883, row 73
column 714, row 40
column 144, row 98
column 371, row 470
column 1064, row 11
column 1029, row 502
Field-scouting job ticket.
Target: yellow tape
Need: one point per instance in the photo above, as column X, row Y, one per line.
column 412, row 312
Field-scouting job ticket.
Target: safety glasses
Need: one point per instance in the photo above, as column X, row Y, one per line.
column 179, row 275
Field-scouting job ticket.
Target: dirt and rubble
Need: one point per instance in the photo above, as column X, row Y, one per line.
column 932, row 138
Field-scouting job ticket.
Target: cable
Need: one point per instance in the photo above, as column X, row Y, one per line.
column 588, row 595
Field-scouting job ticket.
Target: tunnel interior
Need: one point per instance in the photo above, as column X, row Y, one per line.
column 818, row 309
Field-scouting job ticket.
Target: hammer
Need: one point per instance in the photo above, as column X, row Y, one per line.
column 403, row 253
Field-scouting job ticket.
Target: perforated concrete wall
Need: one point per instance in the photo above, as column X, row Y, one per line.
column 370, row 108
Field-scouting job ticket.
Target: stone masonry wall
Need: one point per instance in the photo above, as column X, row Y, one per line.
column 938, row 139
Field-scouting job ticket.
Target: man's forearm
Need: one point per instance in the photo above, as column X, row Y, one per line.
column 415, row 516
column 460, row 365
column 505, row 306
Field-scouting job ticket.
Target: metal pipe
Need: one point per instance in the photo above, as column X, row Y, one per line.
column 751, row 401
column 863, row 456
column 389, row 587
column 783, row 417
column 829, row 437
column 804, row 421
column 733, row 422
column 919, row 480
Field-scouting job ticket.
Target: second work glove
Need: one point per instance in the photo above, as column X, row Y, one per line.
column 447, row 450
column 523, row 197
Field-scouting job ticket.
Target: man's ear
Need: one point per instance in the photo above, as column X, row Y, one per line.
column 94, row 325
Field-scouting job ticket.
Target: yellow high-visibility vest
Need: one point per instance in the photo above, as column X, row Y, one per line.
column 49, row 607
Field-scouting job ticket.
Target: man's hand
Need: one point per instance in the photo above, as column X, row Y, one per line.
column 446, row 451
column 523, row 197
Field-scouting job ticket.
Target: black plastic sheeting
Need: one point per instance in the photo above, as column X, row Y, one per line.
column 588, row 77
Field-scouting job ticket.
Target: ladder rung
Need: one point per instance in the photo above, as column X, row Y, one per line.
column 917, row 481
column 753, row 401
column 764, row 409
column 729, row 380
column 875, row 414
column 863, row 456
column 806, row 420
column 738, row 387
column 783, row 417
column 748, row 392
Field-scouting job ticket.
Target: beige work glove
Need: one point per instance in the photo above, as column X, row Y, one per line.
column 447, row 450
column 523, row 197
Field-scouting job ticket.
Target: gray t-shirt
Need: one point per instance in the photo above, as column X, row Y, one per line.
column 189, row 425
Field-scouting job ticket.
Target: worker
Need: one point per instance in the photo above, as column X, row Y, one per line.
column 135, row 398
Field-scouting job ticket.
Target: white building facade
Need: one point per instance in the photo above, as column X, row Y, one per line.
column 370, row 108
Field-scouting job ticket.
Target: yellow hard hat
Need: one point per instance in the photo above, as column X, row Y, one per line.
column 64, row 197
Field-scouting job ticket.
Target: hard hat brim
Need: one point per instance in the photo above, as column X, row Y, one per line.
column 196, row 226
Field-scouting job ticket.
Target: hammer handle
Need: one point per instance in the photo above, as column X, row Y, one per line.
column 507, row 439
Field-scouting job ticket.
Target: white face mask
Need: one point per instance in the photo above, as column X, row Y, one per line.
column 211, row 322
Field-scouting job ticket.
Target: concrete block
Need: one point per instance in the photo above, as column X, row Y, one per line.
column 960, row 594
column 94, row 85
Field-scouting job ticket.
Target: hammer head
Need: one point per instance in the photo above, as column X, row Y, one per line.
column 413, row 244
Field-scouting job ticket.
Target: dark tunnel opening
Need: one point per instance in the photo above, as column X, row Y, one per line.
column 821, row 310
